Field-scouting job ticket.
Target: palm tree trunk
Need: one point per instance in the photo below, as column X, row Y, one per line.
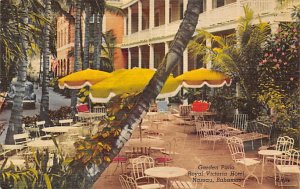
column 97, row 40
column 155, row 85
column 85, row 63
column 76, row 51
column 44, row 109
column 15, row 122
column 81, row 43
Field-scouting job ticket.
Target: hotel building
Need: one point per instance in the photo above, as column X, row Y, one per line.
column 146, row 32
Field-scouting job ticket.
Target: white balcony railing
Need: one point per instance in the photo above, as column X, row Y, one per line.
column 214, row 18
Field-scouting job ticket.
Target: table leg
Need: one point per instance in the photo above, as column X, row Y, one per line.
column 262, row 170
column 167, row 184
column 274, row 170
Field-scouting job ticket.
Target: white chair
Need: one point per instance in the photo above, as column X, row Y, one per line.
column 287, row 167
column 99, row 109
column 41, row 125
column 206, row 131
column 127, row 182
column 236, row 148
column 21, row 139
column 20, row 143
column 240, row 121
column 139, row 165
column 65, row 122
column 284, row 143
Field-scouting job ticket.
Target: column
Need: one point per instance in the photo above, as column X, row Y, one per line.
column 166, row 51
column 167, row 12
column 184, row 6
column 129, row 58
column 185, row 61
column 151, row 14
column 140, row 56
column 129, row 20
column 151, row 57
column 125, row 23
column 209, row 5
column 208, row 44
column 166, row 47
column 140, row 6
column 185, row 69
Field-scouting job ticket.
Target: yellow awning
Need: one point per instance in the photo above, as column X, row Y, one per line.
column 130, row 81
column 200, row 77
column 82, row 78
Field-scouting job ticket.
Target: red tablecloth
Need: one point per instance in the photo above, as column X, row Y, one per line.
column 199, row 106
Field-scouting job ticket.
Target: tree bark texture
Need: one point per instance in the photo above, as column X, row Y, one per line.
column 98, row 41
column 155, row 85
column 77, row 36
column 76, row 51
column 44, row 109
column 85, row 63
column 15, row 122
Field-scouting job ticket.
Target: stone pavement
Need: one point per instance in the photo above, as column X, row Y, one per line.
column 218, row 163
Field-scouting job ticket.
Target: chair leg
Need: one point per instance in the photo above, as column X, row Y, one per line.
column 250, row 173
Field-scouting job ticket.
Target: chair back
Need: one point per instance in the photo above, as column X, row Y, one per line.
column 40, row 123
column 284, row 143
column 204, row 127
column 184, row 110
column 240, row 121
column 140, row 164
column 24, row 129
column 291, row 157
column 236, row 148
column 127, row 182
column 65, row 122
column 100, row 109
column 21, row 138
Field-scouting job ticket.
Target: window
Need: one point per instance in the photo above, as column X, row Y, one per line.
column 170, row 14
column 156, row 19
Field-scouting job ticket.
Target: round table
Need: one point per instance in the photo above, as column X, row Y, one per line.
column 264, row 153
column 16, row 162
column 144, row 142
column 41, row 144
column 58, row 129
column 166, row 172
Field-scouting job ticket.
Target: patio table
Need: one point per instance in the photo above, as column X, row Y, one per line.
column 13, row 147
column 166, row 172
column 16, row 162
column 264, row 153
column 145, row 142
column 41, row 143
column 202, row 114
column 59, row 129
column 90, row 115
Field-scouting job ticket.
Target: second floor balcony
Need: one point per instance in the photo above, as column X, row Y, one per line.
column 217, row 19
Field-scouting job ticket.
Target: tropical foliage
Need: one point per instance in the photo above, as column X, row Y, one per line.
column 238, row 55
column 95, row 154
column 279, row 77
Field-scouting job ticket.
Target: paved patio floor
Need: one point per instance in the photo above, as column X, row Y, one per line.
column 220, row 159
